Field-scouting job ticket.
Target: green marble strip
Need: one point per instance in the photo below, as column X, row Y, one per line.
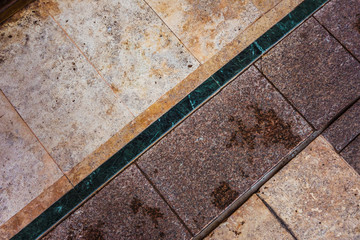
column 166, row 122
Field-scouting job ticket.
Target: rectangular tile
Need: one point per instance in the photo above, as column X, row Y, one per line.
column 210, row 159
column 345, row 128
column 205, row 27
column 317, row 194
column 252, row 220
column 57, row 92
column 127, row 208
column 341, row 18
column 26, row 168
column 130, row 46
column 352, row 154
column 314, row 72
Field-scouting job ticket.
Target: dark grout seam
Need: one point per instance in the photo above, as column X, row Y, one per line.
column 352, row 140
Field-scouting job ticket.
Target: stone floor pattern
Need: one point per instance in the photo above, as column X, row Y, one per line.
column 80, row 79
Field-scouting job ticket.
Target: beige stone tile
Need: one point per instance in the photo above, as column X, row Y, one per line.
column 129, row 44
column 317, row 194
column 265, row 5
column 57, row 92
column 26, row 169
column 205, row 27
column 253, row 221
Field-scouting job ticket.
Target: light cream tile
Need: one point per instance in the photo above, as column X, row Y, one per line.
column 205, row 27
column 251, row 221
column 317, row 194
column 57, row 92
column 129, row 44
column 26, row 170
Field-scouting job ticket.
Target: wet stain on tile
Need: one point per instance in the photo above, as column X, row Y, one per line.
column 153, row 213
column 223, row 195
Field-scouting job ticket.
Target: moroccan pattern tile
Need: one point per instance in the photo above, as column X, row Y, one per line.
column 129, row 44
column 57, row 92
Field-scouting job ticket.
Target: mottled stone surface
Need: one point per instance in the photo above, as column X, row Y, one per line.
column 345, row 128
column 314, row 72
column 222, row 149
column 127, row 208
column 352, row 154
column 57, row 92
column 317, row 194
column 130, row 46
column 252, row 220
column 26, row 169
column 205, row 27
column 265, row 5
column 342, row 19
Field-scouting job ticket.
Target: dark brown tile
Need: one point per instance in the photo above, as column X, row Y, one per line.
column 342, row 19
column 314, row 72
column 216, row 154
column 352, row 154
column 127, row 208
column 345, row 128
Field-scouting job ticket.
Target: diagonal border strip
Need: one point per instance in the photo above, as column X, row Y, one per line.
column 119, row 161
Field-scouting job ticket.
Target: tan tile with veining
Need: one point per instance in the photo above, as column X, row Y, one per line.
column 317, row 194
column 57, row 92
column 26, row 169
column 205, row 27
column 253, row 221
column 130, row 46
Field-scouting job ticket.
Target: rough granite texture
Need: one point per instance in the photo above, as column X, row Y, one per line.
column 129, row 44
column 342, row 19
column 127, row 208
column 345, row 128
column 352, row 154
column 252, row 220
column 317, row 194
column 314, row 72
column 26, row 170
column 217, row 153
column 56, row 91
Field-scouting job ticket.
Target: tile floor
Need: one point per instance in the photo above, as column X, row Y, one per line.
column 94, row 75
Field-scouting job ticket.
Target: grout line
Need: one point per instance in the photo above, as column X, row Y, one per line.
column 36, row 138
column 286, row 99
column 163, row 198
column 352, row 140
column 88, row 60
column 278, row 218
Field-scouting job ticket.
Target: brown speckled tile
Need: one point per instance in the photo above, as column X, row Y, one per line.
column 342, row 19
column 223, row 148
column 26, row 169
column 314, row 72
column 352, row 154
column 127, row 208
column 56, row 91
column 252, row 220
column 345, row 128
column 129, row 45
column 317, row 194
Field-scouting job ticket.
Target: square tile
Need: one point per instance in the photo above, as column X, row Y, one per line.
column 314, row 72
column 130, row 46
column 217, row 153
column 127, row 208
column 352, row 154
column 56, row 91
column 317, row 194
column 205, row 27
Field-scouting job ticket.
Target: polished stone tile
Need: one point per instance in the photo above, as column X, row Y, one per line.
column 57, row 92
column 314, row 72
column 26, row 169
column 345, row 128
column 252, row 220
column 317, row 194
column 342, row 19
column 352, row 154
column 205, row 27
column 127, row 208
column 216, row 154
column 130, row 46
